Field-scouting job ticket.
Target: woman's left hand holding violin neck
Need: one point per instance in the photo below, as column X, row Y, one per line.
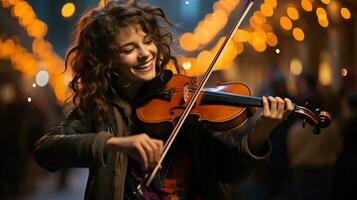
column 275, row 110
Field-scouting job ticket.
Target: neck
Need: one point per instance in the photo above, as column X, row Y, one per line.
column 131, row 91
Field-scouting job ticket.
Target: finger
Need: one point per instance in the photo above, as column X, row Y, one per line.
column 289, row 107
column 149, row 151
column 266, row 110
column 143, row 156
column 289, row 104
column 155, row 145
column 160, row 145
column 273, row 106
column 280, row 107
column 159, row 149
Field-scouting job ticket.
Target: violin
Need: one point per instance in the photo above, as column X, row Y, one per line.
column 222, row 107
column 183, row 100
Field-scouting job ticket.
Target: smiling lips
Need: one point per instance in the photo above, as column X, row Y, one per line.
column 145, row 67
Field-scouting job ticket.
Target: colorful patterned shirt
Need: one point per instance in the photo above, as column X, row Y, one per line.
column 173, row 181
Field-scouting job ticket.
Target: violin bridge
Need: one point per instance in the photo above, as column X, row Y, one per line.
column 186, row 93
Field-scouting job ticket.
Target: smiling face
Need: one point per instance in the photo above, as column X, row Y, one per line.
column 137, row 55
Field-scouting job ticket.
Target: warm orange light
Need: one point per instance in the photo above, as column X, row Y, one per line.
column 325, row 1
column 285, row 23
column 8, row 47
column 253, row 23
column 195, row 69
column 293, row 13
column 259, row 44
column 30, row 68
column 13, row 2
column 220, row 16
column 202, row 36
column 259, row 17
column 227, row 5
column 324, row 73
column 187, row 65
column 267, row 10
column 37, row 29
column 28, row 16
column 60, row 88
column 321, row 13
column 241, row 35
column 298, row 34
column 257, row 41
column 204, row 58
column 267, row 28
column 272, row 40
column 295, row 66
column 218, row 45
column 19, row 8
column 230, row 51
column 345, row 13
column 323, row 23
column 260, row 34
column 210, row 24
column 239, row 47
column 188, row 42
column 68, row 10
column 101, row 3
column 272, row 3
column 306, row 5
column 5, row 3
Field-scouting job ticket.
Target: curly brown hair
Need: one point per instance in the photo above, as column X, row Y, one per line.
column 94, row 51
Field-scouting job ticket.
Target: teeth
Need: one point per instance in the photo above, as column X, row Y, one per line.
column 144, row 66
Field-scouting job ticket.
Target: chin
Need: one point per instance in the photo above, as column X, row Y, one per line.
column 148, row 77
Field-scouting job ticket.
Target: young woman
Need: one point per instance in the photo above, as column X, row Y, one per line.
column 119, row 49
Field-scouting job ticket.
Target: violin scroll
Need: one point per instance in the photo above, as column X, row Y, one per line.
column 318, row 119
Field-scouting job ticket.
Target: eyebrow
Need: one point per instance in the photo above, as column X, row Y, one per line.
column 127, row 44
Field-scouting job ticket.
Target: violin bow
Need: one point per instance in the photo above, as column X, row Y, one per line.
column 194, row 97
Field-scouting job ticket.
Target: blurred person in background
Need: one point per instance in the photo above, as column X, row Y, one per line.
column 22, row 124
column 312, row 158
column 346, row 169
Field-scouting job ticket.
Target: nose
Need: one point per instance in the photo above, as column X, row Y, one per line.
column 144, row 53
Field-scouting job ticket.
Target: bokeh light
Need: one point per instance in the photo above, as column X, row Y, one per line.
column 286, row 23
column 292, row 13
column 298, row 34
column 42, row 78
column 344, row 72
column 306, row 5
column 68, row 10
column 345, row 13
column 295, row 67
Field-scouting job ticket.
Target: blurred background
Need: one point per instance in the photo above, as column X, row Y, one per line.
column 302, row 49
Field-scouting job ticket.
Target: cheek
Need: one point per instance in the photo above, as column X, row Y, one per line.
column 154, row 49
column 127, row 61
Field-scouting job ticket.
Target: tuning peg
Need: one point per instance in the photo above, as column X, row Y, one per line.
column 317, row 110
column 316, row 131
column 303, row 123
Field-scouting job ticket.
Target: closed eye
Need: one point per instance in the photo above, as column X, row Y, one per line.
column 148, row 41
column 127, row 51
